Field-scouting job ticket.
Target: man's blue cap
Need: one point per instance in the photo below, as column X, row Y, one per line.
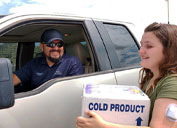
column 50, row 35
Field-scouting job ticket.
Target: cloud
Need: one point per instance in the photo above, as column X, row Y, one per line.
column 2, row 2
column 63, row 6
column 114, row 9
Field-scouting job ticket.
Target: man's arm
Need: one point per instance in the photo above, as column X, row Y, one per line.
column 16, row 80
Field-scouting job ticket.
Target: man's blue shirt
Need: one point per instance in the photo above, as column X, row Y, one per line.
column 37, row 71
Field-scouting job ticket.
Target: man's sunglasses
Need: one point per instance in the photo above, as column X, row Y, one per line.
column 52, row 45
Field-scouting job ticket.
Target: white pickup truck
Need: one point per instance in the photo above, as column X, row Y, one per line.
column 107, row 49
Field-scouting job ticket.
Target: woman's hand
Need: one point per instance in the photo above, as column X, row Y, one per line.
column 95, row 121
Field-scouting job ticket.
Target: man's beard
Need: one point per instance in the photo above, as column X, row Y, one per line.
column 54, row 60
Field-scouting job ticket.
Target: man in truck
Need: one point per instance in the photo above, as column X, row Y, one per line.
column 53, row 64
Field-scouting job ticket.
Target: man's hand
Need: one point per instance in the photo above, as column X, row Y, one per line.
column 16, row 80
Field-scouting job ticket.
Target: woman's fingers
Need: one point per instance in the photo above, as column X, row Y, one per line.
column 80, row 120
column 95, row 121
column 91, row 113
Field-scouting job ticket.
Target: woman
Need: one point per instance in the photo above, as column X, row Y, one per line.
column 158, row 78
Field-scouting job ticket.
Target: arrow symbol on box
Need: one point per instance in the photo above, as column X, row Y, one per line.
column 139, row 121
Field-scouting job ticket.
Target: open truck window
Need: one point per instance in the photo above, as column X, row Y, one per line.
column 21, row 44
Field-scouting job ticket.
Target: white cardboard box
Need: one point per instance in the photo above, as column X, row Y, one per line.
column 117, row 103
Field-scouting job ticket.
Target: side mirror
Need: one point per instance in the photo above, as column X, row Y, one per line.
column 6, row 84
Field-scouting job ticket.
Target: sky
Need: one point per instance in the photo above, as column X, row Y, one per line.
column 139, row 12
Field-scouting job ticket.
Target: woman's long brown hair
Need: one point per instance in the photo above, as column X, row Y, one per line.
column 167, row 34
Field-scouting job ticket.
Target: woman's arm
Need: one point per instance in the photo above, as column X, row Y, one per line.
column 95, row 121
column 159, row 119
